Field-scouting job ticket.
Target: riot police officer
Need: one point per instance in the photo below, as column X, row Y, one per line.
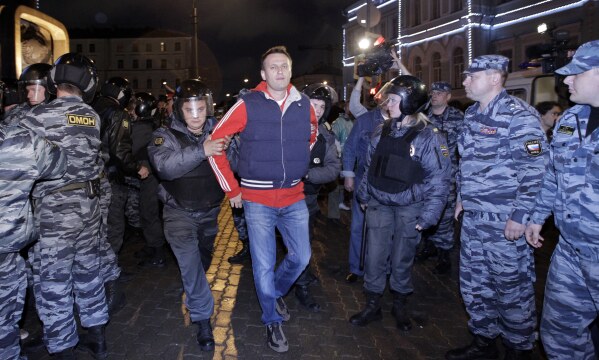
column 404, row 192
column 324, row 167
column 67, row 214
column 191, row 196
column 149, row 205
column 32, row 90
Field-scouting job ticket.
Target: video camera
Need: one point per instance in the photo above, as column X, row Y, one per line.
column 377, row 60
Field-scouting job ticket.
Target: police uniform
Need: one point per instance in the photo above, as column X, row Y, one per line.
column 67, row 216
column 324, row 168
column 24, row 158
column 448, row 123
column 14, row 115
column 191, row 196
column 414, row 196
column 353, row 160
column 571, row 190
column 502, row 159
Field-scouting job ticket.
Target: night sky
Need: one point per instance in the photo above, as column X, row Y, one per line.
column 237, row 31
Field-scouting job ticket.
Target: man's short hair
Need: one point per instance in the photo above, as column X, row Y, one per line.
column 70, row 88
column 280, row 49
column 545, row 106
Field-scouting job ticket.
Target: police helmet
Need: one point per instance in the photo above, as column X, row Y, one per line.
column 10, row 92
column 322, row 91
column 117, row 88
column 35, row 74
column 412, row 91
column 77, row 70
column 145, row 104
column 192, row 90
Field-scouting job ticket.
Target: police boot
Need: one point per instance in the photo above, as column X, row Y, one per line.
column 156, row 260
column 94, row 342
column 400, row 312
column 242, row 255
column 481, row 348
column 205, row 337
column 443, row 263
column 428, row 250
column 115, row 298
column 513, row 354
column 370, row 313
column 66, row 354
column 302, row 293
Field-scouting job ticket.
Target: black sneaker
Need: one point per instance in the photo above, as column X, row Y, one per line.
column 275, row 338
column 282, row 309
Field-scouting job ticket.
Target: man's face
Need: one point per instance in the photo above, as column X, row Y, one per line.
column 584, row 87
column 194, row 114
column 36, row 94
column 478, row 84
column 551, row 117
column 277, row 71
column 319, row 107
column 440, row 98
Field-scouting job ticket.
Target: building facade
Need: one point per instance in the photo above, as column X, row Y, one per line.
column 148, row 58
column 437, row 39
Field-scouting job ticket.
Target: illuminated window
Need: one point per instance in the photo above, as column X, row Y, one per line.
column 435, row 9
column 436, row 67
column 418, row 67
column 458, row 67
column 162, row 46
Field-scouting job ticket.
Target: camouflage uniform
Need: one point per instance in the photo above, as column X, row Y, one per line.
column 502, row 160
column 24, row 158
column 67, row 216
column 571, row 190
column 109, row 268
column 449, row 124
column 132, row 208
column 14, row 115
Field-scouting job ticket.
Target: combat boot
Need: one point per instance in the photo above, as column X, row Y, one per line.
column 443, row 263
column 242, row 255
column 205, row 338
column 400, row 312
column 302, row 293
column 94, row 342
column 428, row 250
column 66, row 354
column 481, row 348
column 513, row 354
column 156, row 260
column 370, row 313
column 115, row 298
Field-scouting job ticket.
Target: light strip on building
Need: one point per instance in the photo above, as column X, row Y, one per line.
column 522, row 8
column 454, row 31
column 356, row 8
column 352, row 19
column 386, row 3
column 399, row 32
column 536, row 15
column 469, row 31
column 431, row 29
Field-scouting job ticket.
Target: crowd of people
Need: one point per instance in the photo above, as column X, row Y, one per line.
column 80, row 170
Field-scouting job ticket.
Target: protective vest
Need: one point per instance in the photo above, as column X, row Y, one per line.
column 392, row 169
column 316, row 160
column 198, row 189
column 275, row 144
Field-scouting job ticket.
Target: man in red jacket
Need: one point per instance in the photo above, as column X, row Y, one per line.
column 277, row 128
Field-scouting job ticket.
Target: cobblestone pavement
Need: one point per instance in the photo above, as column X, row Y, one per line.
column 151, row 326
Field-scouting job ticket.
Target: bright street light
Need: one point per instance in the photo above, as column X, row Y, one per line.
column 541, row 29
column 364, row 44
column 245, row 80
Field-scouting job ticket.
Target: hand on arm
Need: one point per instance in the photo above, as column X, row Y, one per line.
column 533, row 235
column 513, row 230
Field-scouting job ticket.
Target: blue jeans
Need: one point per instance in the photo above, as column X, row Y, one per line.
column 292, row 222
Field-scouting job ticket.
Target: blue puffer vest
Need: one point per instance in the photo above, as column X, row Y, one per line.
column 275, row 144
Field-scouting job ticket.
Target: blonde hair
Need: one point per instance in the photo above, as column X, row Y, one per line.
column 416, row 119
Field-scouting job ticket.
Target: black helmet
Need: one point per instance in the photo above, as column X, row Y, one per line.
column 10, row 92
column 117, row 88
column 412, row 90
column 322, row 91
column 145, row 104
column 77, row 70
column 192, row 90
column 35, row 74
